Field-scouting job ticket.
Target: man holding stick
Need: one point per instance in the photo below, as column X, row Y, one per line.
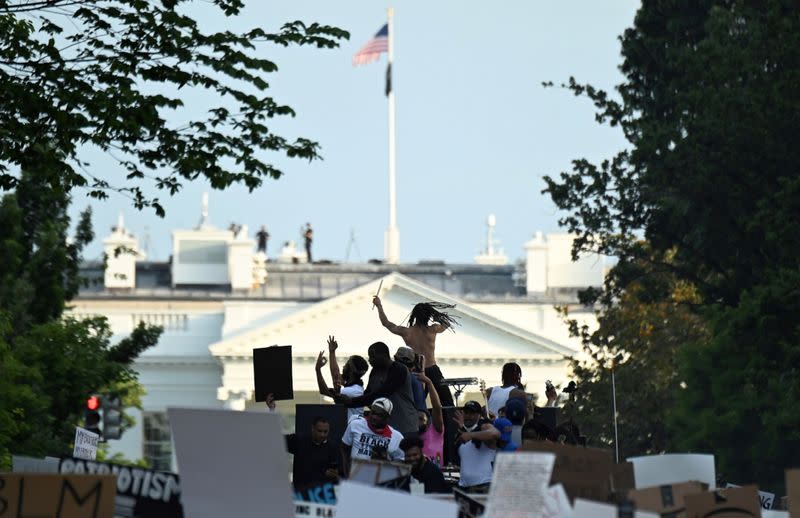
column 426, row 321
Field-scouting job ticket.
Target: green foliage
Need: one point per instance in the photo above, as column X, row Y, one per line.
column 108, row 74
column 51, row 364
column 638, row 336
column 709, row 105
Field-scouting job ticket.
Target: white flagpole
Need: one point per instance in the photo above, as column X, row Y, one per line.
column 392, row 236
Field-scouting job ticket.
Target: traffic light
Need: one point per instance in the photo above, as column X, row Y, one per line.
column 91, row 414
column 112, row 418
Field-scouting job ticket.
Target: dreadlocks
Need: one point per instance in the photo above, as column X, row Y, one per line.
column 424, row 312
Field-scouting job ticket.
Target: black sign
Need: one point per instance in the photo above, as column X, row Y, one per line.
column 272, row 371
column 468, row 507
column 140, row 492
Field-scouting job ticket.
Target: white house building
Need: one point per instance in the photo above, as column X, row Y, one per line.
column 218, row 299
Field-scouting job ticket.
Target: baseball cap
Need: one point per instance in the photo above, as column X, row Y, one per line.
column 515, row 410
column 384, row 404
column 472, row 406
column 504, row 425
column 405, row 355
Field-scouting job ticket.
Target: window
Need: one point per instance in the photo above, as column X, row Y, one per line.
column 202, row 252
column 157, row 441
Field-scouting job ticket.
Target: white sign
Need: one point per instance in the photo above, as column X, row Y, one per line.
column 85, row 444
column 519, row 484
column 362, row 501
column 673, row 468
column 231, row 463
column 589, row 509
column 310, row 509
column 556, row 503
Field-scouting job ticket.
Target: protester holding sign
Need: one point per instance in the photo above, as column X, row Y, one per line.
column 477, row 442
column 366, row 436
column 422, row 469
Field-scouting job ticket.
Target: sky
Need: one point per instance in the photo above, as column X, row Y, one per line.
column 476, row 130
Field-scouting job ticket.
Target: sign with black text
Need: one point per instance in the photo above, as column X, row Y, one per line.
column 140, row 492
column 48, row 495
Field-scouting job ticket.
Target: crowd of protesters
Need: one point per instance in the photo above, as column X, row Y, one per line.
column 389, row 419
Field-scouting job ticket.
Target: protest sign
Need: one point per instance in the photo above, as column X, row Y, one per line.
column 740, row 502
column 85, row 444
column 469, row 505
column 556, row 503
column 23, row 464
column 308, row 509
column 324, row 493
column 622, row 478
column 588, row 509
column 519, row 483
column 584, row 472
column 363, row 501
column 772, row 513
column 272, row 372
column 240, row 455
column 793, row 491
column 140, row 492
column 379, row 472
column 764, row 497
column 666, row 499
column 47, row 495
column 658, row 470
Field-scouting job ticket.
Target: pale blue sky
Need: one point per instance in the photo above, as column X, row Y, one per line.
column 476, row 131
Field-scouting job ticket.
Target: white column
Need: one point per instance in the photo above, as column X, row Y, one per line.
column 392, row 234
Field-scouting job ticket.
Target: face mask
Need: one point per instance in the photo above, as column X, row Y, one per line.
column 471, row 428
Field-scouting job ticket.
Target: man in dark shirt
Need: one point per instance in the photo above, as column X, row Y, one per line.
column 391, row 380
column 315, row 459
column 422, row 469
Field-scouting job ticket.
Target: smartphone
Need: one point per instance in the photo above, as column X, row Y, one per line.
column 419, row 363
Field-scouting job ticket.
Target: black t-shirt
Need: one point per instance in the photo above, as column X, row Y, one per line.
column 311, row 460
column 431, row 476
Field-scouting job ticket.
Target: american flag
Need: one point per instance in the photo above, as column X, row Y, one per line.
column 372, row 50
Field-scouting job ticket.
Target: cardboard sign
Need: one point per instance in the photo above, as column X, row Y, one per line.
column 584, row 472
column 231, row 463
column 272, row 372
column 673, row 468
column 362, row 501
column 793, row 491
column 588, row 509
column 469, row 506
column 765, row 498
column 140, row 492
column 622, row 479
column 85, row 444
column 666, row 499
column 519, row 483
column 740, row 502
column 43, row 495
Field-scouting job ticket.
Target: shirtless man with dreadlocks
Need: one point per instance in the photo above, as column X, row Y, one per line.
column 425, row 322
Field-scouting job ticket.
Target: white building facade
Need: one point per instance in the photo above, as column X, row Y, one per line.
column 221, row 299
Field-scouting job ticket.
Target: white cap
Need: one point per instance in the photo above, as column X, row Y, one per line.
column 384, row 404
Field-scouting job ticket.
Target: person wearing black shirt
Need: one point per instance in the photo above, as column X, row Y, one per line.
column 315, row 459
column 422, row 469
column 262, row 236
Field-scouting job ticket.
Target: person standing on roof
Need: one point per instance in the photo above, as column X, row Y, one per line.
column 425, row 322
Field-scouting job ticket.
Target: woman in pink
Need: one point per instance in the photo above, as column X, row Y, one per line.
column 431, row 428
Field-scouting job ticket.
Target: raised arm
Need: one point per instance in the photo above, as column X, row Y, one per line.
column 487, row 434
column 436, row 404
column 323, row 387
column 336, row 374
column 388, row 324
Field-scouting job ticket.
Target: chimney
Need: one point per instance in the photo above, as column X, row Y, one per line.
column 122, row 251
column 536, row 264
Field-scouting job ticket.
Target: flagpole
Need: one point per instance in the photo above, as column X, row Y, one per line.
column 392, row 236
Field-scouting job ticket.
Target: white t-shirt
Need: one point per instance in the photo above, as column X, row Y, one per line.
column 498, row 399
column 476, row 464
column 362, row 439
column 351, row 392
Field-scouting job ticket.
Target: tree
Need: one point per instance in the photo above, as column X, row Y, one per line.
column 51, row 363
column 107, row 74
column 709, row 106
column 638, row 335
